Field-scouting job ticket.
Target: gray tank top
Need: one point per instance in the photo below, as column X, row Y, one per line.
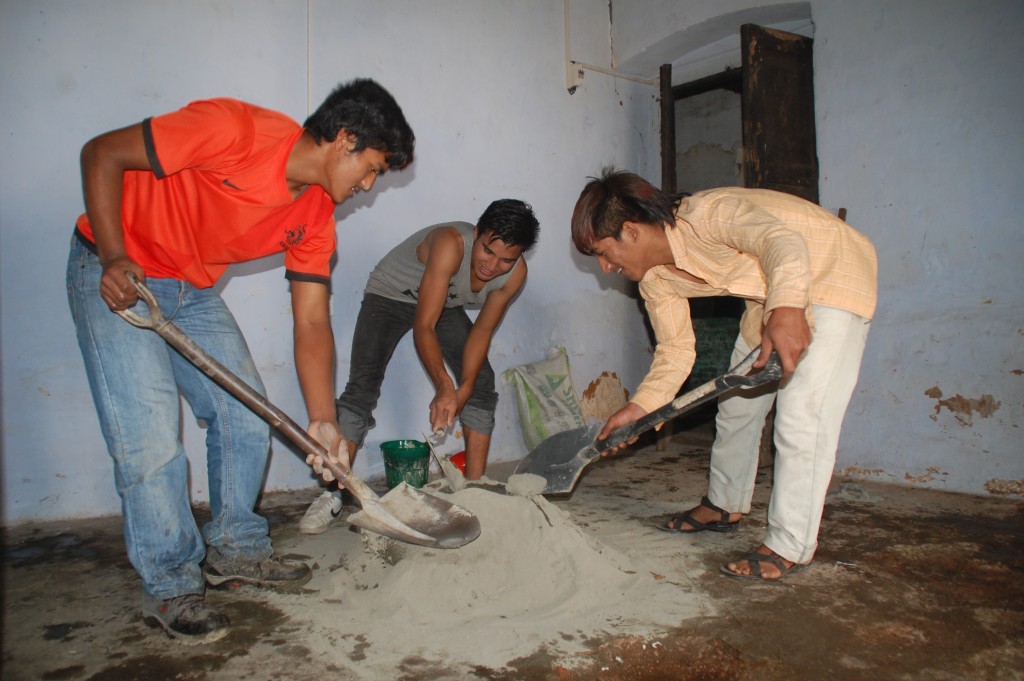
column 398, row 274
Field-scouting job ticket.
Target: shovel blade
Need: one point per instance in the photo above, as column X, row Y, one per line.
column 412, row 515
column 561, row 458
column 452, row 475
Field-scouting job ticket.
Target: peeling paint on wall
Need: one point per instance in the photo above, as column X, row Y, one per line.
column 853, row 471
column 963, row 408
column 927, row 477
column 603, row 397
column 996, row 486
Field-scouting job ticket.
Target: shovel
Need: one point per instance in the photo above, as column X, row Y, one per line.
column 452, row 475
column 404, row 513
column 561, row 458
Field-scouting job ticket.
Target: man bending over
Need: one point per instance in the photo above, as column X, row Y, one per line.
column 424, row 284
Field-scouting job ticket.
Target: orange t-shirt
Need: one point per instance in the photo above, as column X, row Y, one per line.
column 217, row 195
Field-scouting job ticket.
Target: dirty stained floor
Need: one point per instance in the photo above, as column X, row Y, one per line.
column 908, row 583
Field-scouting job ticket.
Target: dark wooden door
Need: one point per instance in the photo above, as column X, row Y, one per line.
column 779, row 139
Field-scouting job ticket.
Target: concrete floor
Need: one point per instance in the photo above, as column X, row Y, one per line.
column 907, row 584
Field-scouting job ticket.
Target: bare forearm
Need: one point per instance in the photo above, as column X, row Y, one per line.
column 474, row 355
column 104, row 160
column 429, row 350
column 314, row 364
column 103, row 207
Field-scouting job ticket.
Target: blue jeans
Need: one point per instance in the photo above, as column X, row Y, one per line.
column 135, row 378
column 379, row 327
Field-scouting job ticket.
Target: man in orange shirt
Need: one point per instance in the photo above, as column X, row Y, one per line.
column 175, row 199
column 810, row 285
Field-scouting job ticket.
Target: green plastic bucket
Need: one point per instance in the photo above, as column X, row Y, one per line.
column 405, row 461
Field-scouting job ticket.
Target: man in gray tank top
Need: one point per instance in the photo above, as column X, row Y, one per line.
column 423, row 284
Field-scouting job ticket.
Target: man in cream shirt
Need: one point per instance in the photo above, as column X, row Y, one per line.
column 809, row 281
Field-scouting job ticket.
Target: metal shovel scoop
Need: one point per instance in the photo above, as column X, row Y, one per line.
column 404, row 513
column 561, row 458
column 452, row 475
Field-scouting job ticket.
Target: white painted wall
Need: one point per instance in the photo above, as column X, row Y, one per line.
column 918, row 122
column 482, row 84
column 919, row 111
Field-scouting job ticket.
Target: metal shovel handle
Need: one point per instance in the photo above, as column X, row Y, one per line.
column 239, row 388
column 736, row 377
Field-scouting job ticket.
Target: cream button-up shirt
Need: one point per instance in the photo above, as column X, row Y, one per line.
column 770, row 248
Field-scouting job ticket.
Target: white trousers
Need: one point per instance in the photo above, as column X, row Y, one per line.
column 808, row 418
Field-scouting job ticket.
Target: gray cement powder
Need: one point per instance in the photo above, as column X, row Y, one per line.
column 526, row 485
column 528, row 560
column 532, row 578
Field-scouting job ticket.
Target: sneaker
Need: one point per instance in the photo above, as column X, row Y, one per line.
column 187, row 618
column 321, row 513
column 272, row 573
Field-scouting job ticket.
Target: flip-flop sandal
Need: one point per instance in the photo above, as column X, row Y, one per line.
column 721, row 525
column 755, row 559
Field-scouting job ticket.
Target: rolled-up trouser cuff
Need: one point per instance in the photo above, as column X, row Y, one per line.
column 479, row 420
column 353, row 427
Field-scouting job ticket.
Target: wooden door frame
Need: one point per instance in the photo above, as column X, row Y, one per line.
column 733, row 79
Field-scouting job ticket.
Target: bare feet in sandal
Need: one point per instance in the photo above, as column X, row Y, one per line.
column 763, row 564
column 706, row 516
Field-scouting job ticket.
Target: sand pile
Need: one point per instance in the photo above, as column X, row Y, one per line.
column 529, row 559
column 532, row 577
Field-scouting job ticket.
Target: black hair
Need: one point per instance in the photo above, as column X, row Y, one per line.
column 368, row 112
column 606, row 204
column 510, row 220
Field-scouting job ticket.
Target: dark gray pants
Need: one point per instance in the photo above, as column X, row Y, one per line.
column 381, row 324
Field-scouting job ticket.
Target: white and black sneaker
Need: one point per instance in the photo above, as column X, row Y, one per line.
column 186, row 618
column 321, row 513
